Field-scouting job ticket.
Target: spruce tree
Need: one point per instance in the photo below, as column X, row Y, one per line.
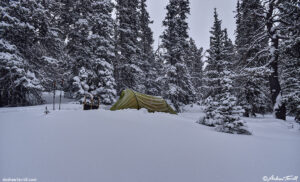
column 128, row 65
column 194, row 63
column 290, row 56
column 50, row 59
column 80, row 48
column 221, row 107
column 277, row 31
column 103, row 50
column 23, row 30
column 145, row 33
column 91, row 48
column 279, row 28
column 212, row 82
column 250, row 65
column 228, row 112
column 147, row 55
column 178, row 87
column 273, row 58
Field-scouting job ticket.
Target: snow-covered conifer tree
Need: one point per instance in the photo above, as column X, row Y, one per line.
column 278, row 30
column 290, row 56
column 227, row 114
column 21, row 32
column 214, row 67
column 103, row 45
column 194, row 63
column 147, row 55
column 80, row 49
column 252, row 79
column 128, row 64
column 221, row 107
column 178, row 87
column 91, row 48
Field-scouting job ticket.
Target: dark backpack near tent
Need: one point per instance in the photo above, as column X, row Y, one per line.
column 91, row 102
column 130, row 99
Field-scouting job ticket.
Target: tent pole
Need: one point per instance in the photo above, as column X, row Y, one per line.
column 137, row 101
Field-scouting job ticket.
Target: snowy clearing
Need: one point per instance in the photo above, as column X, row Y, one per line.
column 73, row 145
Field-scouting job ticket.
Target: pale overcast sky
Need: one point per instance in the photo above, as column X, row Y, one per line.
column 200, row 19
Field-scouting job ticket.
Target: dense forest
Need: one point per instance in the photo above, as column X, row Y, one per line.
column 80, row 47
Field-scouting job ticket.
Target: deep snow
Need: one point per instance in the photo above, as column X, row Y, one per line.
column 73, row 145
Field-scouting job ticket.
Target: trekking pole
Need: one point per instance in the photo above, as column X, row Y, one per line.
column 62, row 85
column 54, row 87
column 98, row 102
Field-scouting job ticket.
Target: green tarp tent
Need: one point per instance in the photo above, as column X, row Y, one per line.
column 130, row 99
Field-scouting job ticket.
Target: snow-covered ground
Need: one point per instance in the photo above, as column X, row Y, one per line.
column 72, row 145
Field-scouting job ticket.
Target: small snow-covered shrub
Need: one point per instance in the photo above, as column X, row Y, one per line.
column 222, row 110
column 236, row 127
column 210, row 111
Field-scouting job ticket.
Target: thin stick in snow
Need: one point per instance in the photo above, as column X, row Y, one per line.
column 62, row 83
column 54, row 88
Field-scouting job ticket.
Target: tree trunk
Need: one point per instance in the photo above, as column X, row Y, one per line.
column 278, row 106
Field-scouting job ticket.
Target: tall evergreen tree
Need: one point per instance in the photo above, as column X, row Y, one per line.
column 194, row 63
column 221, row 107
column 91, row 48
column 80, row 49
column 128, row 65
column 64, row 15
column 87, row 28
column 147, row 54
column 29, row 43
column 212, row 82
column 145, row 32
column 178, row 85
column 49, row 54
column 273, row 58
column 275, row 25
column 250, row 64
column 290, row 55
column 103, row 50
